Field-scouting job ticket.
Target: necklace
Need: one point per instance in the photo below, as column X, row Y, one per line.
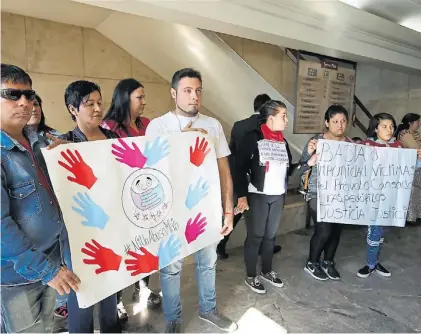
column 179, row 123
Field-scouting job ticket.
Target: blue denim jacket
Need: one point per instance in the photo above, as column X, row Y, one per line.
column 32, row 230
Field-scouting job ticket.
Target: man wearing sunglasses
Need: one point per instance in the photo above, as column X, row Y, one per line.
column 32, row 229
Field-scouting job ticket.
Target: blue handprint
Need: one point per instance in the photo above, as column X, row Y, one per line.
column 95, row 216
column 167, row 252
column 196, row 193
column 157, row 151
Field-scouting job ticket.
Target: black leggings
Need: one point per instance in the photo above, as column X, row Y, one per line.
column 136, row 285
column 262, row 222
column 325, row 238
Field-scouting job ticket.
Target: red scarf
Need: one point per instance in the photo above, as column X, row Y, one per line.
column 268, row 134
column 271, row 135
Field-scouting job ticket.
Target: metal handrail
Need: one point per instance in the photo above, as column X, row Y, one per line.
column 358, row 123
column 362, row 106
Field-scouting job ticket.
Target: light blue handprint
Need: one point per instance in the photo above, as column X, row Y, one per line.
column 155, row 152
column 196, row 193
column 95, row 216
column 169, row 251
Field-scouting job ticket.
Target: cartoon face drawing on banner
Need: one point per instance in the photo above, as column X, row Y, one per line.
column 147, row 192
column 147, row 197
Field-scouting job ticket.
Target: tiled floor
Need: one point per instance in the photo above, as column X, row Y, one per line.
column 374, row 304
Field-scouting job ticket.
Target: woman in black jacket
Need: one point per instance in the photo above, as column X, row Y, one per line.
column 263, row 158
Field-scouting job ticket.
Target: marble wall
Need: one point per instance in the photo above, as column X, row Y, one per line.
column 270, row 61
column 380, row 89
column 383, row 90
column 55, row 54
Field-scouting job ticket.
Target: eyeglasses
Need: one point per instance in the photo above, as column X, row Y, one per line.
column 16, row 94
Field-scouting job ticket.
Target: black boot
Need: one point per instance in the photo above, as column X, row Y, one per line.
column 220, row 251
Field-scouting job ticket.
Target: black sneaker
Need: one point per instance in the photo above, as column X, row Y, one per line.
column 61, row 312
column 122, row 313
column 382, row 271
column 330, row 270
column 272, row 278
column 255, row 285
column 219, row 320
column 314, row 270
column 364, row 272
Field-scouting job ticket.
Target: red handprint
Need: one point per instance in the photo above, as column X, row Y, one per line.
column 104, row 257
column 132, row 157
column 142, row 263
column 198, row 155
column 83, row 174
column 194, row 229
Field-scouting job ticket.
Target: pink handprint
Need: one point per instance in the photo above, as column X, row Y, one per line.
column 195, row 228
column 132, row 157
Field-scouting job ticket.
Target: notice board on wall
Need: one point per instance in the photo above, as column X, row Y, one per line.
column 321, row 82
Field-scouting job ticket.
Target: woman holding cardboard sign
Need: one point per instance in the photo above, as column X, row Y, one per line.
column 326, row 235
column 125, row 119
column 265, row 157
column 380, row 133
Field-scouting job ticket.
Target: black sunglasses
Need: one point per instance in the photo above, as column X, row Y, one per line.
column 16, row 94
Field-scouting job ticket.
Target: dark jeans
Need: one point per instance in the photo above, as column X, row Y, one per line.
column 136, row 285
column 325, row 238
column 82, row 320
column 262, row 222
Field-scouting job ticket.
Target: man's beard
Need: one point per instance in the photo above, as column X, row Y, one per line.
column 192, row 113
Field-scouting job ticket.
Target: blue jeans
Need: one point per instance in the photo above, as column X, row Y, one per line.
column 374, row 240
column 28, row 308
column 62, row 299
column 205, row 264
column 81, row 320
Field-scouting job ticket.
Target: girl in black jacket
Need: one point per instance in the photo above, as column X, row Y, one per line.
column 263, row 158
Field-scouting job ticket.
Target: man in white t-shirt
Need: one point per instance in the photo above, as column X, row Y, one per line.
column 186, row 90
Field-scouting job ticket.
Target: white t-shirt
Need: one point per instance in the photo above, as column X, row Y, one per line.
column 171, row 123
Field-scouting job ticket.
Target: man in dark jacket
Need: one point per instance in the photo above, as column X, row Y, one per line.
column 239, row 129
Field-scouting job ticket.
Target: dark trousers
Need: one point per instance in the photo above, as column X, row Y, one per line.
column 262, row 222
column 325, row 238
column 82, row 320
column 136, row 285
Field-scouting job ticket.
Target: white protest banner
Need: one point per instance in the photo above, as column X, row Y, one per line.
column 272, row 151
column 134, row 205
column 363, row 185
